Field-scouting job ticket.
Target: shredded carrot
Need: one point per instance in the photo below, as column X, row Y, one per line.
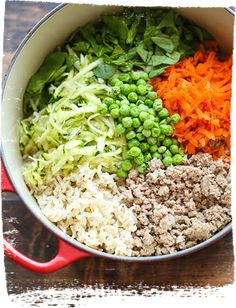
column 199, row 90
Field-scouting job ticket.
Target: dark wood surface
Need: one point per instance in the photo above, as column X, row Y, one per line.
column 213, row 266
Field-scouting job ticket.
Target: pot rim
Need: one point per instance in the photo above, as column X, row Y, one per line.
column 53, row 228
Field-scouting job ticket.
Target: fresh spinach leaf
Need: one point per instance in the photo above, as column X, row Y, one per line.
column 122, row 60
column 144, row 54
column 133, row 30
column 105, row 71
column 157, row 72
column 50, row 66
column 70, row 61
column 117, row 26
column 88, row 32
column 164, row 42
column 82, row 46
column 58, row 75
column 118, row 51
column 168, row 21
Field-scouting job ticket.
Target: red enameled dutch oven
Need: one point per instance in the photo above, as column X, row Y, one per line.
column 51, row 31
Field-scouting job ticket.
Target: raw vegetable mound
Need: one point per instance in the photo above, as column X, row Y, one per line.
column 66, row 121
column 69, row 131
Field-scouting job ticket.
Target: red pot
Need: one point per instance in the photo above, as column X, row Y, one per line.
column 37, row 44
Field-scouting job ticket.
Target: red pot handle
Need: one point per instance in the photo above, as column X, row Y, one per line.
column 66, row 253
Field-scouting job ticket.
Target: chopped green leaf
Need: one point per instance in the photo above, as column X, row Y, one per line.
column 105, row 71
column 50, row 66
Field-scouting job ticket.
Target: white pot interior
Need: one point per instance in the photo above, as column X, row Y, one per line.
column 52, row 32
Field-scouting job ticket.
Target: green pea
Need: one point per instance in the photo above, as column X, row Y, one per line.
column 163, row 113
column 103, row 109
column 126, row 165
column 134, row 112
column 124, row 77
column 181, row 152
column 161, row 138
column 142, row 168
column 125, row 89
column 133, row 88
column 148, row 124
column 127, row 122
column 152, row 118
column 130, row 135
column 166, row 129
column 167, row 142
column 139, row 159
column 144, row 146
column 157, row 105
column 120, row 129
column 141, row 89
column 168, row 120
column 144, row 75
column 139, row 129
column 118, row 102
column 114, row 81
column 134, row 151
column 118, row 83
column 161, row 149
column 153, row 148
column 175, row 118
column 140, row 136
column 124, row 110
column 135, row 75
column 126, row 155
column 147, row 133
column 152, row 95
column 167, row 161
column 113, row 106
column 174, row 149
column 115, row 113
column 148, row 102
column 167, row 153
column 136, row 123
column 177, row 159
column 149, row 87
column 176, row 142
column 122, row 173
column 139, row 102
column 133, row 143
column 152, row 113
column 141, row 82
column 147, row 157
column 132, row 97
column 143, row 107
column 143, row 116
column 156, row 132
column 108, row 101
column 124, row 103
column 121, row 97
column 157, row 155
column 151, row 140
column 116, row 90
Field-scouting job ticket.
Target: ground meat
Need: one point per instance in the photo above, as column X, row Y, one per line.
column 179, row 206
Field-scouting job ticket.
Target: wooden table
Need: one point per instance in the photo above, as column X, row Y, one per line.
column 212, row 267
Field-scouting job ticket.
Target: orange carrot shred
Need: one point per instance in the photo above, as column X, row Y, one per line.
column 199, row 89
